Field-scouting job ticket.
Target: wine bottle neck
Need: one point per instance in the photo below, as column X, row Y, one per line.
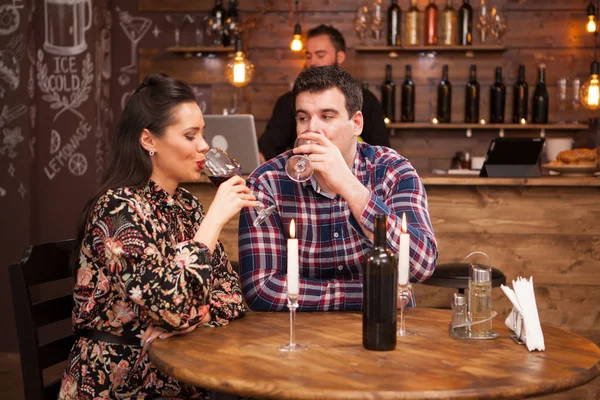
column 379, row 237
column 388, row 72
column 542, row 75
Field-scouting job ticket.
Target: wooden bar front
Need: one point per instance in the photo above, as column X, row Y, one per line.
column 547, row 228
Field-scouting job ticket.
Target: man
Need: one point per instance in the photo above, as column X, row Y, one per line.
column 334, row 211
column 325, row 45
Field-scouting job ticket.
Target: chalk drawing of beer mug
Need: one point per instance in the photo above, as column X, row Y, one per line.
column 66, row 26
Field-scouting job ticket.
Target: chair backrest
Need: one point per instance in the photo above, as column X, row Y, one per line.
column 41, row 265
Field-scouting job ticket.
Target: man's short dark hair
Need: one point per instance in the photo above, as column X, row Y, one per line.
column 336, row 37
column 320, row 79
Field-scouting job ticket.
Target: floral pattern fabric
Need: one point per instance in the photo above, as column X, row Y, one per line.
column 139, row 266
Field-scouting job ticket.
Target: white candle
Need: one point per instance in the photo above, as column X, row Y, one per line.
column 292, row 262
column 404, row 254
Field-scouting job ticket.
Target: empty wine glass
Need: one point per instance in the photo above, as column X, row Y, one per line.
column 220, row 166
column 361, row 22
column 199, row 22
column 561, row 90
column 498, row 24
column 575, row 104
column 178, row 21
column 298, row 167
column 483, row 23
column 377, row 18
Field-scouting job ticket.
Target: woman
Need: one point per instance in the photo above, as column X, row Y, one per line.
column 150, row 264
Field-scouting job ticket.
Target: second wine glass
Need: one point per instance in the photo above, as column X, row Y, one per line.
column 298, row 167
column 220, row 166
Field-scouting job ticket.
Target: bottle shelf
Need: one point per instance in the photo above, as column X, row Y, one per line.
column 462, row 126
column 427, row 49
column 203, row 49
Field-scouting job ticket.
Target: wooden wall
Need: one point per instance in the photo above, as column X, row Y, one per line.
column 550, row 32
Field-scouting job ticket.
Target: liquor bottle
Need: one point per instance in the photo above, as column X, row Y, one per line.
column 472, row 97
column 413, row 17
column 218, row 17
column 394, row 16
column 232, row 23
column 465, row 24
column 448, row 32
column 379, row 292
column 408, row 97
column 444, row 104
column 520, row 97
column 497, row 99
column 539, row 109
column 431, row 23
column 388, row 95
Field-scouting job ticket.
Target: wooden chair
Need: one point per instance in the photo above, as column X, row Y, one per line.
column 41, row 265
column 456, row 275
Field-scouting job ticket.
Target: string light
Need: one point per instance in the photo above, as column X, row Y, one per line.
column 592, row 22
column 590, row 90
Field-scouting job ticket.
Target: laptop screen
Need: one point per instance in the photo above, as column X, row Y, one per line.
column 236, row 134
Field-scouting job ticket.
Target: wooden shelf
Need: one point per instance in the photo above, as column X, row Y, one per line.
column 427, row 49
column 194, row 49
column 462, row 126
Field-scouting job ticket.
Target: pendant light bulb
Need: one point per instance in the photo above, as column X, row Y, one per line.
column 590, row 90
column 592, row 22
column 296, row 44
column 240, row 70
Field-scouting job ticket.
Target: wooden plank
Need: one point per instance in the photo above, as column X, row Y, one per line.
column 490, row 210
column 547, row 181
column 462, row 126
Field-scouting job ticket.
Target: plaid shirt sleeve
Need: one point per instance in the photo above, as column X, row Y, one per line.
column 402, row 191
column 263, row 264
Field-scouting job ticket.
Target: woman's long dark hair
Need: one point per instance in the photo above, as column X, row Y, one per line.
column 150, row 107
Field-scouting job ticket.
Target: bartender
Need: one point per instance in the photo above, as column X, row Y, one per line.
column 325, row 45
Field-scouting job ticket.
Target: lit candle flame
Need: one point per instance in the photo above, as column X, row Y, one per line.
column 482, row 121
column 386, row 120
column 523, row 121
column 293, row 229
column 434, row 121
column 404, row 223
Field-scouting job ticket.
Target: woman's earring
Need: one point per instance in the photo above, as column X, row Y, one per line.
column 152, row 152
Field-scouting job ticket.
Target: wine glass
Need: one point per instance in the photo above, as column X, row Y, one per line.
column 562, row 98
column 405, row 295
column 498, row 24
column 361, row 22
column 178, row 21
column 377, row 18
column 220, row 166
column 576, row 85
column 298, row 167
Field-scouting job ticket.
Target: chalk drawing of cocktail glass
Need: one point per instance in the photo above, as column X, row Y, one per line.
column 135, row 28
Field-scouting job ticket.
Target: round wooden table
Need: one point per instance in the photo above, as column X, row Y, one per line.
column 242, row 358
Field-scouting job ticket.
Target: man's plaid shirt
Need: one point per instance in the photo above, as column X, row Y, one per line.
column 332, row 246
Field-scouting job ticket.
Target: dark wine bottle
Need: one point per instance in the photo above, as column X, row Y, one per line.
column 379, row 292
column 472, row 97
column 408, row 97
column 444, row 98
column 431, row 23
column 497, row 99
column 465, row 24
column 394, row 16
column 539, row 109
column 520, row 97
column 388, row 95
column 218, row 17
column 232, row 23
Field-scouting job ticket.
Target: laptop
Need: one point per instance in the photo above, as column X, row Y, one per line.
column 512, row 157
column 236, row 134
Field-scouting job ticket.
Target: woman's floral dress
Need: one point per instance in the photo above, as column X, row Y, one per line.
column 140, row 266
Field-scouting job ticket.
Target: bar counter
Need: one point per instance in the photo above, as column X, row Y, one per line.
column 547, row 227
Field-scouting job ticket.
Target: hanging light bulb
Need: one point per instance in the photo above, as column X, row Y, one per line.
column 240, row 70
column 591, row 13
column 296, row 44
column 590, row 90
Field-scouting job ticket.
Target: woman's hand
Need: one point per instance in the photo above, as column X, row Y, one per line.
column 152, row 333
column 232, row 195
